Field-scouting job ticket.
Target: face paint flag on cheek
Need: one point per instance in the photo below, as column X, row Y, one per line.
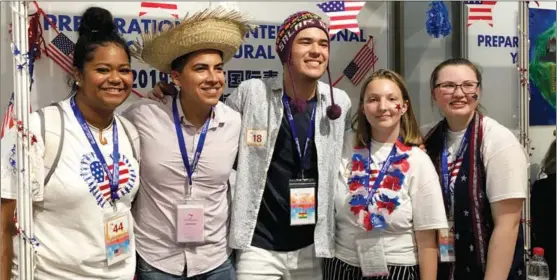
column 398, row 107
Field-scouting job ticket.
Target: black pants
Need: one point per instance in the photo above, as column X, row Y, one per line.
column 335, row 269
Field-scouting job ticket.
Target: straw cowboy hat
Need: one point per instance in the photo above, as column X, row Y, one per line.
column 217, row 29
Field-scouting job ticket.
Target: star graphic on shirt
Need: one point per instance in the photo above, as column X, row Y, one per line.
column 457, row 236
column 466, row 213
column 520, row 272
column 471, row 248
column 480, row 195
column 467, row 269
column 463, row 178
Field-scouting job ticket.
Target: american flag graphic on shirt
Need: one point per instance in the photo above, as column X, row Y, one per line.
column 96, row 178
column 454, row 167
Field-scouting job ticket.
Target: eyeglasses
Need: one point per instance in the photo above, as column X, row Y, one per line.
column 467, row 87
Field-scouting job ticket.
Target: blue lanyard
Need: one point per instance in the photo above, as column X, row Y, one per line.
column 114, row 176
column 382, row 171
column 445, row 172
column 182, row 143
column 304, row 159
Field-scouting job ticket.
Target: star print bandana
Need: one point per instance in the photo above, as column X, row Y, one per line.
column 472, row 212
column 373, row 208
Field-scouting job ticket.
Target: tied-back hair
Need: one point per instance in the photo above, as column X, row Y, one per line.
column 97, row 28
column 548, row 163
column 409, row 129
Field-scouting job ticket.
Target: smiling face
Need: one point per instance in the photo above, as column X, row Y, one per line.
column 383, row 105
column 106, row 80
column 455, row 100
column 202, row 77
column 310, row 53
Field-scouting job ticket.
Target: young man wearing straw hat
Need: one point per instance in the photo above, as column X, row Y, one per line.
column 288, row 160
column 188, row 144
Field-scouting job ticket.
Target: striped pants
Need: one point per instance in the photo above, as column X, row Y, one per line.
column 335, row 269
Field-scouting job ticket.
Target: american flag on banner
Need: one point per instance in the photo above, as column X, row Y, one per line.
column 60, row 50
column 170, row 8
column 364, row 61
column 8, row 119
column 479, row 11
column 342, row 15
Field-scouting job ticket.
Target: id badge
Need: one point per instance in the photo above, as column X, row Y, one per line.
column 190, row 222
column 117, row 237
column 446, row 243
column 372, row 257
column 302, row 202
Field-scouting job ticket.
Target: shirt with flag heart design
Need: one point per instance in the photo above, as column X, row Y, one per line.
column 69, row 212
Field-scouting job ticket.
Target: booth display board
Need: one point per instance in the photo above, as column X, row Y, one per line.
column 492, row 43
column 542, row 66
column 256, row 58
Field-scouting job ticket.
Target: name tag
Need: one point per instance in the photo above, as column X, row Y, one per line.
column 372, row 257
column 117, row 238
column 446, row 243
column 302, row 202
column 190, row 222
column 256, row 137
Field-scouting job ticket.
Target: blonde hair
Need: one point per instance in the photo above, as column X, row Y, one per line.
column 548, row 163
column 409, row 129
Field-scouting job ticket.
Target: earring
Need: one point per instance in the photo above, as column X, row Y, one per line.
column 77, row 83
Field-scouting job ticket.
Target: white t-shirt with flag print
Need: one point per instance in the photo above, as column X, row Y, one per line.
column 69, row 213
column 505, row 161
column 454, row 141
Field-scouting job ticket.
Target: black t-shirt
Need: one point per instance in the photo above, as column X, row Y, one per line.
column 273, row 230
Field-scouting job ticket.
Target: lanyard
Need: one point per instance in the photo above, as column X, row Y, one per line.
column 190, row 168
column 304, row 159
column 113, row 177
column 382, row 171
column 445, row 172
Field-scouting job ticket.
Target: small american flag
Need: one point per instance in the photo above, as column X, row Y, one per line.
column 60, row 50
column 364, row 61
column 102, row 179
column 8, row 120
column 342, row 15
column 159, row 6
column 480, row 11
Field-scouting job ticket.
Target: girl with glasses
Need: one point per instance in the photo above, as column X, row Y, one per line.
column 483, row 174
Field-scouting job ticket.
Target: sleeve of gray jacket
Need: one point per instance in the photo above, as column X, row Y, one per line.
column 237, row 98
column 348, row 117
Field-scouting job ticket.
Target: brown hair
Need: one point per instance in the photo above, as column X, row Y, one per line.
column 409, row 129
column 455, row 62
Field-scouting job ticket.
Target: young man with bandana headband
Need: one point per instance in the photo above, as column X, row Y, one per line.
column 289, row 151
